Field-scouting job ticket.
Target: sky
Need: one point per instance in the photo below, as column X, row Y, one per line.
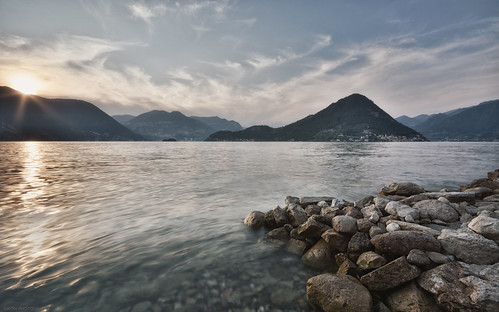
column 253, row 61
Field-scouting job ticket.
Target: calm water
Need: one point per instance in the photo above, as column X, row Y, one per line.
column 158, row 226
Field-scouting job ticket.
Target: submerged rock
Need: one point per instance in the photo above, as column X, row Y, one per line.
column 338, row 293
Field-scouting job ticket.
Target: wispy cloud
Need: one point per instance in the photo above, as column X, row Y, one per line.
column 144, row 12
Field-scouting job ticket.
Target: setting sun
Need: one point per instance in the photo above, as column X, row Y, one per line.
column 26, row 84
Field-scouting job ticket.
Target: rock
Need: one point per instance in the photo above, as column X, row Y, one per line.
column 305, row 201
column 493, row 175
column 401, row 242
column 439, row 258
column 142, row 306
column 379, row 306
column 359, row 204
column 375, row 230
column 454, row 197
column 370, row 260
column 414, row 199
column 296, row 215
column 352, row 212
column 410, row 298
column 380, row 202
column 404, row 189
column 280, row 216
column 339, row 258
column 484, row 182
column 348, row 267
column 312, row 210
column 391, row 275
column 312, row 228
column 435, row 209
column 418, row 257
column 284, row 297
column 255, row 219
column 486, row 226
column 344, row 224
column 338, row 293
column 296, row 246
column 457, row 286
column 372, row 213
column 406, row 226
column 392, row 227
column 480, row 191
column 322, row 204
column 269, row 220
column 335, row 240
column 358, row 244
column 291, row 200
column 400, row 210
column 492, row 198
column 279, row 233
column 330, row 211
column 319, row 257
column 363, row 225
column 468, row 246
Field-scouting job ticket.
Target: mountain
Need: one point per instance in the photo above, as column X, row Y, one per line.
column 219, row 124
column 159, row 125
column 476, row 123
column 411, row 121
column 31, row 117
column 354, row 118
column 123, row 118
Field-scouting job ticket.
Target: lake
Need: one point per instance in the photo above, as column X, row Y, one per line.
column 157, row 226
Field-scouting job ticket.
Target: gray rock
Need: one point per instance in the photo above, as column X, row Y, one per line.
column 280, row 216
column 411, row 200
column 468, row 246
column 320, row 257
column 380, row 202
column 279, row 233
column 439, row 258
column 484, row 182
column 372, row 213
column 435, row 209
column 352, row 212
column 255, row 219
column 480, row 191
column 370, row 260
column 291, row 200
column 375, row 230
column 330, row 211
column 392, row 227
column 401, row 242
column 404, row 189
column 322, row 204
column 335, row 240
column 312, row 228
column 358, row 244
column 391, row 275
column 305, row 201
column 493, row 175
column 296, row 215
column 486, row 226
column 359, row 204
column 418, row 257
column 457, row 286
column 364, row 225
column 344, row 224
column 296, row 246
column 397, row 209
column 338, row 293
column 406, row 226
column 409, row 298
column 454, row 197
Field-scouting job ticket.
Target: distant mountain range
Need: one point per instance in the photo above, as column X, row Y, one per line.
column 161, row 125
column 476, row 123
column 31, row 117
column 353, row 118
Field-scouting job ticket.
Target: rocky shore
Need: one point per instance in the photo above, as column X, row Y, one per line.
column 404, row 249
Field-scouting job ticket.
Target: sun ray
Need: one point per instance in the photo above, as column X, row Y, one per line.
column 26, row 84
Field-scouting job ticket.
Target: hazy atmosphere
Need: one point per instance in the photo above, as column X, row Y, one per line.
column 258, row 62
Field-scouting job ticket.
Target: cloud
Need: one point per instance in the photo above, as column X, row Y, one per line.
column 144, row 12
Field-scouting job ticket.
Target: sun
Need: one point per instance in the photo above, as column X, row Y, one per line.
column 26, row 84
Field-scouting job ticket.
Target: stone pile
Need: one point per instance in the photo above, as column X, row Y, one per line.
column 404, row 249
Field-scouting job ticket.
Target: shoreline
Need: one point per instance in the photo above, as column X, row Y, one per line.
column 405, row 249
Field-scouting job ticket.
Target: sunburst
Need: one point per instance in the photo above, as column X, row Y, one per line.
column 26, row 84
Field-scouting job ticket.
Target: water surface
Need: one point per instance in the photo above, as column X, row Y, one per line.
column 158, row 226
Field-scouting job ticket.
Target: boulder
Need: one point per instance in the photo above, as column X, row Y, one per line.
column 484, row 182
column 391, row 275
column 372, row 213
column 493, row 175
column 454, row 197
column 312, row 228
column 492, row 198
column 439, row 258
column 330, row 211
column 480, row 191
column 320, row 257
column 486, row 226
column 397, row 209
column 401, row 242
column 375, row 230
column 291, row 200
column 296, row 215
column 414, row 199
column 358, row 244
column 407, row 226
column 305, row 201
column 370, row 260
column 364, row 225
column 312, row 210
column 348, row 267
column 335, row 240
column 380, row 202
column 269, row 220
column 296, row 246
column 278, row 233
column 280, row 216
column 435, row 209
column 457, row 286
column 352, row 212
column 392, row 227
column 344, row 224
column 409, row 298
column 403, row 189
column 338, row 293
column 255, row 219
column 418, row 257
column 468, row 246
